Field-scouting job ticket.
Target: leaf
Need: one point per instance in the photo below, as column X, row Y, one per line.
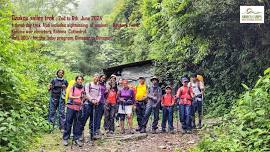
column 2, row 128
column 267, row 71
column 245, row 86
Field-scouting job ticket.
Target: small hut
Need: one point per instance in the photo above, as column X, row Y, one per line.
column 132, row 71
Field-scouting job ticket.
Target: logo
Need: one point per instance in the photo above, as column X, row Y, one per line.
column 251, row 14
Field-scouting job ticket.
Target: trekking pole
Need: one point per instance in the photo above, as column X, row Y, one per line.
column 202, row 110
column 177, row 118
column 93, row 123
column 72, row 142
column 177, row 115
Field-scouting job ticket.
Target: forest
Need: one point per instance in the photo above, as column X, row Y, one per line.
column 182, row 36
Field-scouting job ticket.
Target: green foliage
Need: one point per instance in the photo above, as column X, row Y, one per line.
column 186, row 37
column 25, row 73
column 247, row 126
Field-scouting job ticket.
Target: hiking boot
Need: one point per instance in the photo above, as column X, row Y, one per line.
column 183, row 131
column 131, row 131
column 81, row 138
column 79, row 143
column 65, row 142
column 154, row 131
column 62, row 130
column 97, row 132
column 95, row 137
column 163, row 130
column 143, row 130
column 138, row 129
column 111, row 132
column 122, row 131
column 199, row 125
column 171, row 131
column 188, row 131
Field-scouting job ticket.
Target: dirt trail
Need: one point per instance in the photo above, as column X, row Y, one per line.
column 161, row 142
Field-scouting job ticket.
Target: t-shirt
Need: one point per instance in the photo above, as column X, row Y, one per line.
column 195, row 88
column 167, row 100
column 141, row 92
column 93, row 91
column 57, row 86
column 76, row 103
column 127, row 94
column 112, row 96
column 102, row 92
column 184, row 93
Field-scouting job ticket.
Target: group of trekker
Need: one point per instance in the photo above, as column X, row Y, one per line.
column 116, row 101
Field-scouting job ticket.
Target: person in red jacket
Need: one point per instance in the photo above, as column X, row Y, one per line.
column 185, row 94
column 167, row 103
column 110, row 108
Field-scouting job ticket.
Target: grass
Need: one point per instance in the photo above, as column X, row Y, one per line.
column 48, row 142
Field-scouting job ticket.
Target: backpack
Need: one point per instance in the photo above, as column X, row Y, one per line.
column 110, row 95
column 129, row 101
column 189, row 86
column 171, row 98
column 90, row 88
column 70, row 101
column 57, row 85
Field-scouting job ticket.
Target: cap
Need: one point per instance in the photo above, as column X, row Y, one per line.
column 168, row 87
column 113, row 76
column 184, row 79
column 154, row 77
column 141, row 77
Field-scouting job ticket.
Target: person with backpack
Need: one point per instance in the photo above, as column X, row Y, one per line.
column 153, row 105
column 93, row 95
column 100, row 106
column 198, row 90
column 141, row 100
column 73, row 114
column 110, row 108
column 167, row 103
column 185, row 94
column 57, row 99
column 125, row 99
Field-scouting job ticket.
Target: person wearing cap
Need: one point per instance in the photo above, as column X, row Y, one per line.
column 167, row 103
column 198, row 89
column 185, row 94
column 154, row 95
column 110, row 108
column 141, row 100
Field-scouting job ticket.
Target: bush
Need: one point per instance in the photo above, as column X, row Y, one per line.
column 25, row 73
column 247, row 126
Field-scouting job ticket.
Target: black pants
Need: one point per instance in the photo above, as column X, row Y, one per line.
column 197, row 107
column 73, row 118
column 149, row 109
column 90, row 110
column 109, row 115
column 140, row 112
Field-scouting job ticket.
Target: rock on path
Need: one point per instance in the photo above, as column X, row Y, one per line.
column 162, row 142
